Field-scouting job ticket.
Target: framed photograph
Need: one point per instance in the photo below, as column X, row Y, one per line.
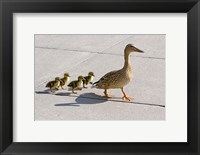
column 85, row 77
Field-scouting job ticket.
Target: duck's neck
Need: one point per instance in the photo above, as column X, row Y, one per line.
column 127, row 64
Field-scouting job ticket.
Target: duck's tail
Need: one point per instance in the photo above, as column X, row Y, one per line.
column 95, row 83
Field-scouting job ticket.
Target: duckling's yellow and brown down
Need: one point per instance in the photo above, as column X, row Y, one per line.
column 64, row 80
column 54, row 84
column 76, row 84
column 88, row 79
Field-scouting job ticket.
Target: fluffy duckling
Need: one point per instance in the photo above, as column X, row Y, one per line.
column 88, row 79
column 76, row 84
column 119, row 78
column 64, row 80
column 54, row 84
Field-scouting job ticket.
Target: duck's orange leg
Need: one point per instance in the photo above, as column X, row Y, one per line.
column 126, row 97
column 106, row 94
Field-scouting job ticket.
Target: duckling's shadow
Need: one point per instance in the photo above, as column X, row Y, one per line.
column 86, row 98
column 64, row 94
column 47, row 91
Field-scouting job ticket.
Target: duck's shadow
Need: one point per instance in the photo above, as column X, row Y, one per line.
column 92, row 98
column 86, row 98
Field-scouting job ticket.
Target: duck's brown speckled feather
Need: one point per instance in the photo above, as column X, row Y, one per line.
column 114, row 79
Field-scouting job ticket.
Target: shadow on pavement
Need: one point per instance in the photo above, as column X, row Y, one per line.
column 87, row 98
column 64, row 94
column 139, row 103
column 47, row 91
column 92, row 98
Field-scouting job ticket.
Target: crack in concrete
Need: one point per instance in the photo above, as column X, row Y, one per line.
column 146, row 57
column 115, row 54
column 114, row 44
column 64, row 49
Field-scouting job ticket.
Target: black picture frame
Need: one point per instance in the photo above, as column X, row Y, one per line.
column 8, row 7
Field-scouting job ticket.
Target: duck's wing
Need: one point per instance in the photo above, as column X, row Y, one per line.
column 107, row 78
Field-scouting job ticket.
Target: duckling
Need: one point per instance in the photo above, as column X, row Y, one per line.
column 76, row 84
column 54, row 84
column 119, row 78
column 88, row 79
column 64, row 80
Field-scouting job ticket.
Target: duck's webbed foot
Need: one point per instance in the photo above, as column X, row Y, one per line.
column 51, row 91
column 57, row 88
column 62, row 88
column 74, row 91
column 107, row 95
column 127, row 98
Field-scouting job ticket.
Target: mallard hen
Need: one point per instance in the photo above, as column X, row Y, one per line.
column 119, row 78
